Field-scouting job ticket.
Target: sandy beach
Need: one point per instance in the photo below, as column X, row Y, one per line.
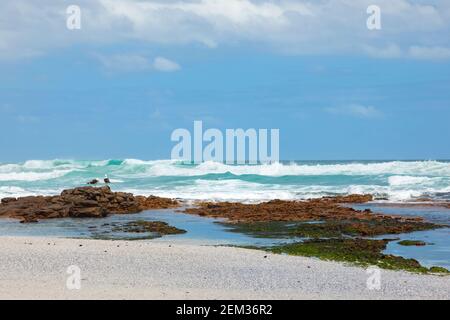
column 35, row 268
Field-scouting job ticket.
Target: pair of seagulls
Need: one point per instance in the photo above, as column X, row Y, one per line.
column 95, row 181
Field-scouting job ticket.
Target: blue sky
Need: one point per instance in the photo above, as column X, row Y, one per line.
column 101, row 95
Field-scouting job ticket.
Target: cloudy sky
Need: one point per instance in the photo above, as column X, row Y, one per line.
column 136, row 70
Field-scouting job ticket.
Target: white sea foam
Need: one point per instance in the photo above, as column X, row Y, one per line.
column 39, row 164
column 243, row 191
column 134, row 162
column 6, row 191
column 395, row 180
column 410, row 180
column 115, row 180
column 32, row 176
column 32, row 170
column 170, row 168
column 173, row 168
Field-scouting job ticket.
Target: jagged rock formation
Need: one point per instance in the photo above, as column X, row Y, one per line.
column 80, row 202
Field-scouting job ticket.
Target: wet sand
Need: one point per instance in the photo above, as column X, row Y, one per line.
column 35, row 268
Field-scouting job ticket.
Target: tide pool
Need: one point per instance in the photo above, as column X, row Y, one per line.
column 209, row 231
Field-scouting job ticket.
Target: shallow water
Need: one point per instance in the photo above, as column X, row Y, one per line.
column 437, row 254
column 439, row 215
column 207, row 231
column 200, row 230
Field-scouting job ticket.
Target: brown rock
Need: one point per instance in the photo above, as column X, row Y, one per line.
column 80, row 202
column 8, row 200
column 326, row 208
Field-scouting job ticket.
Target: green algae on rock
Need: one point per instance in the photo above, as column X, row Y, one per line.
column 141, row 226
column 362, row 252
column 408, row 243
column 340, row 240
column 439, row 270
column 328, row 228
column 136, row 230
column 417, row 243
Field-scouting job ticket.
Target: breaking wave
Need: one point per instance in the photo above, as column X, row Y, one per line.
column 393, row 180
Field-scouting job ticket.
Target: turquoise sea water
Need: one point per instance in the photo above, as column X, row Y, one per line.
column 392, row 180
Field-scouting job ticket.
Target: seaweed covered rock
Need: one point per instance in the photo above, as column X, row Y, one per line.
column 283, row 210
column 363, row 252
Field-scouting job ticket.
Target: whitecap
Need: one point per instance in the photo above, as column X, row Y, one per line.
column 172, row 168
column 32, row 176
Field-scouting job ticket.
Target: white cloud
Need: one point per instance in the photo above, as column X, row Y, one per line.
column 30, row 28
column 135, row 63
column 356, row 110
column 165, row 65
column 124, row 62
column 429, row 53
column 393, row 51
column 388, row 52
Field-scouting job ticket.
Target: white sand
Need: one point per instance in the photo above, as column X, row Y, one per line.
column 35, row 268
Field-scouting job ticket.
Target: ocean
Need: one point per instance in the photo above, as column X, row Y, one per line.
column 393, row 181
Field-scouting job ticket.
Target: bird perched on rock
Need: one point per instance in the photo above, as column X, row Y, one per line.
column 106, row 180
column 93, row 181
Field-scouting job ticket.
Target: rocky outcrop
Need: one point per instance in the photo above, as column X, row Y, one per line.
column 327, row 208
column 279, row 218
column 80, row 202
column 351, row 198
column 153, row 202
